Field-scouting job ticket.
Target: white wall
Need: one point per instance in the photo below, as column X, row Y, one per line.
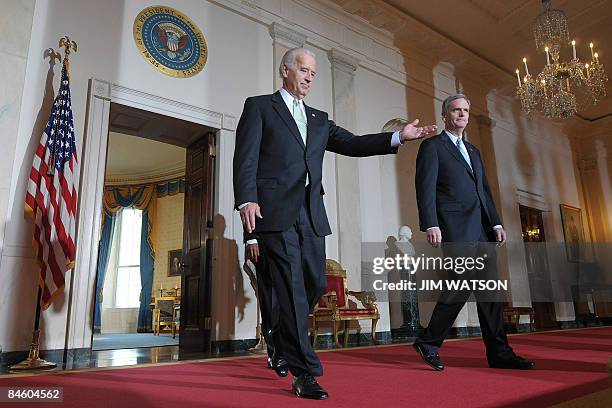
column 106, row 50
column 378, row 100
column 320, row 97
column 15, row 30
column 534, row 156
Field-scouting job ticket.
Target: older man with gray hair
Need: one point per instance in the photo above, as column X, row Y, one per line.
column 278, row 159
column 455, row 206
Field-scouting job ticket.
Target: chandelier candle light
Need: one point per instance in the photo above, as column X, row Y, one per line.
column 555, row 89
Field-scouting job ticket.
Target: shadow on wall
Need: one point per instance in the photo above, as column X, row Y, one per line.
column 51, row 22
column 534, row 166
column 29, row 275
column 228, row 294
column 603, row 146
column 419, row 104
column 600, row 184
column 596, row 168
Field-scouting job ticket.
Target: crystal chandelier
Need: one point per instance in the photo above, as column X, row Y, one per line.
column 562, row 86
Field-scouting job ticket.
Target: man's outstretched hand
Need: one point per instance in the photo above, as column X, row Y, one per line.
column 248, row 214
column 412, row 131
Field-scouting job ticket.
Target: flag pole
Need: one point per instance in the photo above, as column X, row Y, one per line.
column 34, row 362
column 68, row 45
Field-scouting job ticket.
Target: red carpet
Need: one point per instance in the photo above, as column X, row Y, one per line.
column 570, row 364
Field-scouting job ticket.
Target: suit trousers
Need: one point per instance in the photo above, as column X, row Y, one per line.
column 296, row 263
column 490, row 313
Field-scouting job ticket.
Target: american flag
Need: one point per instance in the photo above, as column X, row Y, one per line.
column 51, row 198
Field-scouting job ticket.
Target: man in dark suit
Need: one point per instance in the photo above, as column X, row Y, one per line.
column 278, row 159
column 268, row 303
column 455, row 206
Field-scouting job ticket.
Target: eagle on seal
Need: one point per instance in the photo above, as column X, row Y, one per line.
column 170, row 40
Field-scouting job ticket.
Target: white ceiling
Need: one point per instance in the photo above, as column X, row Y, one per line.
column 146, row 146
column 500, row 31
column 133, row 157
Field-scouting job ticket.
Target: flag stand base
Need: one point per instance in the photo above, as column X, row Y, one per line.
column 33, row 362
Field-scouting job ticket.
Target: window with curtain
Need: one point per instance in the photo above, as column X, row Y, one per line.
column 127, row 293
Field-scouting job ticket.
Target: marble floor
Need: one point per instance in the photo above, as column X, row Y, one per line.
column 114, row 341
column 92, row 359
column 127, row 357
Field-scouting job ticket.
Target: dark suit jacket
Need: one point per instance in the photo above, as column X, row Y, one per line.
column 450, row 195
column 271, row 161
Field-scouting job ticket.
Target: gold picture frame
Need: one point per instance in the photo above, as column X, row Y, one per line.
column 174, row 262
column 573, row 232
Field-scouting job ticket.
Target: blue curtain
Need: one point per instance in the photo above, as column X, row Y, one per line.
column 105, row 246
column 146, row 274
column 140, row 197
column 170, row 188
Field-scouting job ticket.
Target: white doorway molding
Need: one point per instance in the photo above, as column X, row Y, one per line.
column 101, row 94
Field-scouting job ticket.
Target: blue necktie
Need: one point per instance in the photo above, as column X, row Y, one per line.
column 464, row 152
column 302, row 124
column 300, row 120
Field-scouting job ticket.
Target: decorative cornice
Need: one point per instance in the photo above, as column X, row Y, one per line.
column 388, row 42
column 532, row 199
column 143, row 100
column 101, row 89
column 287, row 36
column 228, row 122
column 342, row 61
column 412, row 34
column 120, row 179
column 210, row 115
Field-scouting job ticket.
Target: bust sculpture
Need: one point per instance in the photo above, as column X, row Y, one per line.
column 403, row 307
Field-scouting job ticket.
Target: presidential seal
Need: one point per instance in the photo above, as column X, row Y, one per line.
column 170, row 41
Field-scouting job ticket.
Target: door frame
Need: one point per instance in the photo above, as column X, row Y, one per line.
column 101, row 94
column 536, row 201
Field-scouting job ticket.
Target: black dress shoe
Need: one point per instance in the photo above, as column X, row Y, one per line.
column 305, row 386
column 431, row 358
column 512, row 363
column 279, row 365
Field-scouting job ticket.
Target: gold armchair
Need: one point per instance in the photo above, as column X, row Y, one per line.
column 512, row 315
column 334, row 305
column 165, row 315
